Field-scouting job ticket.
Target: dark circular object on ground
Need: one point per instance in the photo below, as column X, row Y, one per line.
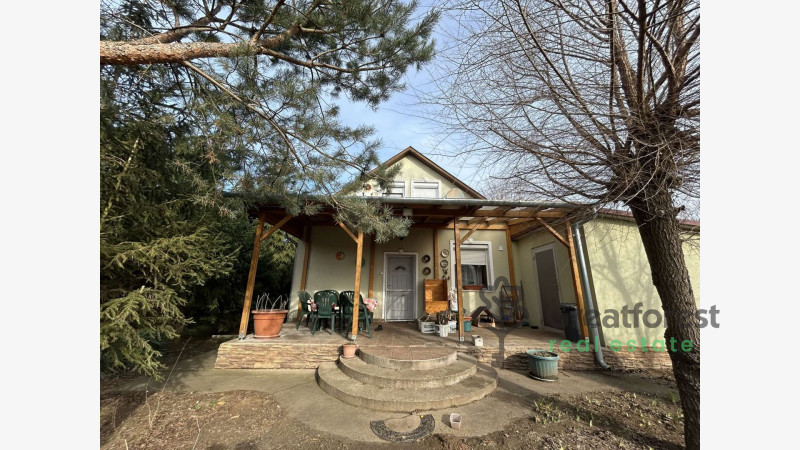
column 382, row 431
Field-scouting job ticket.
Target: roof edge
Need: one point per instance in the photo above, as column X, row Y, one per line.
column 425, row 160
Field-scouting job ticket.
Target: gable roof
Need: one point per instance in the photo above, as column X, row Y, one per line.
column 435, row 167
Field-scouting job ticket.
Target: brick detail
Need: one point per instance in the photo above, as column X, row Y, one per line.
column 254, row 355
column 515, row 358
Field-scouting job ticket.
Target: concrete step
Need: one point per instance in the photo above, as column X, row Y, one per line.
column 406, row 378
column 353, row 392
column 410, row 358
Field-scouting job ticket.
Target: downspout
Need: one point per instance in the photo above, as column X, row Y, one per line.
column 583, row 273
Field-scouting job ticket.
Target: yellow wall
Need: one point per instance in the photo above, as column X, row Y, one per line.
column 489, row 298
column 621, row 274
column 412, row 169
column 326, row 272
column 525, row 272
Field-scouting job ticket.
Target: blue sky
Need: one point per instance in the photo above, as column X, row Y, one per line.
column 400, row 121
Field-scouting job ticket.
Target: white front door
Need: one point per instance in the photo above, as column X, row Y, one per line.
column 400, row 293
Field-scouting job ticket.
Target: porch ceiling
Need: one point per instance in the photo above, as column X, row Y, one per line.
column 519, row 218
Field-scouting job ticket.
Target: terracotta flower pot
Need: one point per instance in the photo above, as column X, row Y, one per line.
column 267, row 324
column 349, row 350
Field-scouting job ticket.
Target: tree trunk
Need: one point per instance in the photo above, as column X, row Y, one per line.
column 660, row 233
column 124, row 53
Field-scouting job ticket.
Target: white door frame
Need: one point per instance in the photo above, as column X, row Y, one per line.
column 414, row 286
column 551, row 246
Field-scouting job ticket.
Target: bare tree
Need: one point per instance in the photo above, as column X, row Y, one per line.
column 591, row 101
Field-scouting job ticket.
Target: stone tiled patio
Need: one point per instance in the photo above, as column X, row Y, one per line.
column 503, row 348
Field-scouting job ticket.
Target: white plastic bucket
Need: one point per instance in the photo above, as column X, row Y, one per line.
column 443, row 330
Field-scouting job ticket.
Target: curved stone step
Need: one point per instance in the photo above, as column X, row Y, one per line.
column 406, row 378
column 412, row 358
column 353, row 392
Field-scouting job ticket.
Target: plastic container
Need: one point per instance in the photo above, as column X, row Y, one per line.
column 543, row 365
column 569, row 316
column 455, row 421
column 477, row 340
column 453, row 325
column 467, row 324
column 427, row 327
column 443, row 330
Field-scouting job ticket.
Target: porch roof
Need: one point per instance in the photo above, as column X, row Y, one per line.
column 519, row 217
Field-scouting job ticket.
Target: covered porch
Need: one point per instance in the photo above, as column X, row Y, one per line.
column 434, row 222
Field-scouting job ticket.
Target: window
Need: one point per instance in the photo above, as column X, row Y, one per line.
column 396, row 189
column 425, row 189
column 476, row 266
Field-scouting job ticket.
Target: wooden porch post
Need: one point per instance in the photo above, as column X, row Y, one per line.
column 510, row 258
column 459, row 293
column 304, row 277
column 576, row 282
column 371, row 266
column 357, row 290
column 518, row 315
column 251, row 279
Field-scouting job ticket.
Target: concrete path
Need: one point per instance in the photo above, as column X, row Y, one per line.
column 297, row 392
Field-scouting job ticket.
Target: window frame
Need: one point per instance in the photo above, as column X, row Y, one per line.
column 394, row 185
column 438, row 184
column 486, row 246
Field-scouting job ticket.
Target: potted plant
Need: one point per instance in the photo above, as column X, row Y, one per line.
column 268, row 317
column 349, row 349
column 543, row 365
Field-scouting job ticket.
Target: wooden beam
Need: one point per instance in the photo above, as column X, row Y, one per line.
column 492, row 220
column 371, row 265
column 287, row 227
column 304, row 277
column 510, row 259
column 461, row 211
column 516, row 213
column 435, row 258
column 513, row 222
column 357, row 290
column 553, row 232
column 478, row 226
column 476, row 220
column 348, row 231
column 275, row 227
column 251, row 280
column 522, row 228
column 471, row 230
column 459, row 292
column 576, row 282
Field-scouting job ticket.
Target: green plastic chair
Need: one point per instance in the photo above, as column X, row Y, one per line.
column 346, row 300
column 305, row 298
column 324, row 301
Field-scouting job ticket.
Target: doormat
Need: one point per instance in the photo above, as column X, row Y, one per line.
column 380, row 428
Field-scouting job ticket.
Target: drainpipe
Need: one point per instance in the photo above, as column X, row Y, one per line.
column 587, row 292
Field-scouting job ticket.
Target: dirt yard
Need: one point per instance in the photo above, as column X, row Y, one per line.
column 248, row 419
column 175, row 420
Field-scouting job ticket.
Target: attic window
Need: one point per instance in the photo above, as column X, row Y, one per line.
column 396, row 189
column 425, row 189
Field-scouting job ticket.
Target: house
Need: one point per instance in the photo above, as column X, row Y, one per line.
column 537, row 246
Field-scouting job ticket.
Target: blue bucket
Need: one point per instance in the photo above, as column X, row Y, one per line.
column 543, row 364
